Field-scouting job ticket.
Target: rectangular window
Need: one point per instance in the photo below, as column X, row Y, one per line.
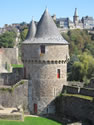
column 58, row 73
column 42, row 49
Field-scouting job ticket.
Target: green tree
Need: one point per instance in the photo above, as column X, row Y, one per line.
column 24, row 34
column 82, row 69
column 7, row 39
column 77, row 39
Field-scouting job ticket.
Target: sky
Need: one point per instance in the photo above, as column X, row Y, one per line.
column 17, row 11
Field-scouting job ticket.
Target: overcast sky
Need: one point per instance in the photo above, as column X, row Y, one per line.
column 16, row 11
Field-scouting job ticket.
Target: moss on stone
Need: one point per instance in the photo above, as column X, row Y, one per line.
column 11, row 89
column 79, row 96
column 6, row 89
column 18, row 84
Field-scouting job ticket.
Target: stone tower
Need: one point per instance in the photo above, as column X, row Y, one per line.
column 45, row 57
column 75, row 18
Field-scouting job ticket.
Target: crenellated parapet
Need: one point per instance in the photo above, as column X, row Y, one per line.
column 45, row 61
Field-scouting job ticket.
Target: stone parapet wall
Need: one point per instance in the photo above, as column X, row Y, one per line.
column 77, row 90
column 76, row 84
column 15, row 96
column 11, row 116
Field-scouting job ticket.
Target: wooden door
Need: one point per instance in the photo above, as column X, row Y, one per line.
column 35, row 108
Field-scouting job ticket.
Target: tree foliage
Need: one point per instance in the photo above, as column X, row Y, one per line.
column 81, row 64
column 7, row 39
column 24, row 34
column 82, row 69
column 78, row 40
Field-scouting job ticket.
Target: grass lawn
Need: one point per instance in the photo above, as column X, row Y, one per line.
column 17, row 66
column 31, row 121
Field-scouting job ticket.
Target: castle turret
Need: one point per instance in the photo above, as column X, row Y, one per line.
column 32, row 30
column 75, row 17
column 45, row 61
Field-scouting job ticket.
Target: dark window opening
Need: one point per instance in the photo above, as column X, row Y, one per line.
column 42, row 48
column 58, row 73
column 24, row 72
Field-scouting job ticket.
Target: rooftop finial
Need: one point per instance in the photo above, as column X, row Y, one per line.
column 46, row 8
column 32, row 18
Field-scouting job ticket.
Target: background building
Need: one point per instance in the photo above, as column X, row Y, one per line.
column 88, row 22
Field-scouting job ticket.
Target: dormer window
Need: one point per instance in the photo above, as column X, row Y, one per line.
column 42, row 48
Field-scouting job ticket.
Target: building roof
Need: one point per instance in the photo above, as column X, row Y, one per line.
column 32, row 30
column 87, row 18
column 46, row 27
column 47, row 32
column 62, row 19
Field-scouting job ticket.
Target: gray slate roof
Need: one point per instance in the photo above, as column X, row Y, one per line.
column 46, row 27
column 32, row 30
column 62, row 19
column 47, row 32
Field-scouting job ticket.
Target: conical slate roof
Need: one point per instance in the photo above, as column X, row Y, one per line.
column 46, row 27
column 75, row 13
column 47, row 32
column 32, row 30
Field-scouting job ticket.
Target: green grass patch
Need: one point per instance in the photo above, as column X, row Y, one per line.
column 79, row 96
column 30, row 121
column 17, row 65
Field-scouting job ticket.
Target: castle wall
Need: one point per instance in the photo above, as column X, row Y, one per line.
column 43, row 93
column 41, row 69
column 75, row 108
column 77, row 90
column 14, row 97
column 10, row 54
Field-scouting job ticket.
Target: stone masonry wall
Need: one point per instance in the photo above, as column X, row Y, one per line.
column 10, row 54
column 76, row 109
column 41, row 69
column 77, row 90
column 11, row 78
column 43, row 94
column 15, row 97
column 53, row 52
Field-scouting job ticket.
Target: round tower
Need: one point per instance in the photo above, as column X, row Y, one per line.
column 45, row 62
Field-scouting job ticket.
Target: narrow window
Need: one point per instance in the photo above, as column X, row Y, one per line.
column 42, row 47
column 58, row 73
